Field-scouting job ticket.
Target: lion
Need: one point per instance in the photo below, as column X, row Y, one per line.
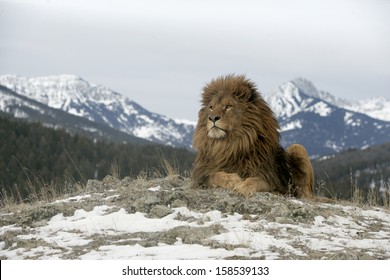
column 237, row 144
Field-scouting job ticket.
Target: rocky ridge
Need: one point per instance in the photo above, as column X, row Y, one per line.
column 165, row 218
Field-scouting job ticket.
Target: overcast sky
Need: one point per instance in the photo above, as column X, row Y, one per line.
column 160, row 53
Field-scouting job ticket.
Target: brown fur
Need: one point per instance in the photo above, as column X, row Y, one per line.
column 237, row 143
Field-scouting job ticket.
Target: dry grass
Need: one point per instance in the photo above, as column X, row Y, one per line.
column 371, row 197
column 115, row 170
column 41, row 191
column 170, row 171
column 326, row 189
column 38, row 190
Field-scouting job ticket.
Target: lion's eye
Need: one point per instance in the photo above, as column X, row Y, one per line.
column 228, row 107
column 211, row 108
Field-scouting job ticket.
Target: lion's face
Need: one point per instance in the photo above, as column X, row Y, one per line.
column 224, row 103
column 233, row 118
column 222, row 116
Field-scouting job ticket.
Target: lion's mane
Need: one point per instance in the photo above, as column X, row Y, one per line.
column 251, row 147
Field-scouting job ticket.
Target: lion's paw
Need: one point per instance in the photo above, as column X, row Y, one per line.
column 245, row 189
column 225, row 180
column 232, row 180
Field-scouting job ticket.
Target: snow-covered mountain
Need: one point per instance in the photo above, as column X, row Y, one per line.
column 375, row 107
column 19, row 106
column 102, row 105
column 322, row 122
column 314, row 118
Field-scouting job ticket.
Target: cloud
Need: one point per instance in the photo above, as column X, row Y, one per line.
column 161, row 50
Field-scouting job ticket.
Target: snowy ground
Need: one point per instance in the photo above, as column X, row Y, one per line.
column 166, row 219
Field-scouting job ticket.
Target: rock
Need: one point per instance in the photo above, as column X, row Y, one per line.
column 144, row 204
column 159, row 211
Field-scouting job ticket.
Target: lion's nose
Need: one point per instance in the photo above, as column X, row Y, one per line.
column 214, row 118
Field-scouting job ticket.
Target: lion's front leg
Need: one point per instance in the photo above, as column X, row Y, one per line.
column 251, row 185
column 224, row 180
column 232, row 181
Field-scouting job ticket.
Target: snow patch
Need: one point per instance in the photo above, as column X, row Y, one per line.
column 349, row 119
column 292, row 125
column 320, row 108
column 245, row 238
column 155, row 189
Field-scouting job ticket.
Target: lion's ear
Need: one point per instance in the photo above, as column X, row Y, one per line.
column 246, row 92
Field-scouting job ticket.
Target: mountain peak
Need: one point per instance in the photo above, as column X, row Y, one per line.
column 291, row 97
column 62, row 77
column 375, row 107
column 306, row 86
column 57, row 91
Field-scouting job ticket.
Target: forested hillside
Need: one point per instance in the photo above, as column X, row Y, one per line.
column 33, row 156
column 364, row 169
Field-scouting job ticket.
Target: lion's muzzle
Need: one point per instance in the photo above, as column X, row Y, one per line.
column 214, row 118
column 214, row 128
